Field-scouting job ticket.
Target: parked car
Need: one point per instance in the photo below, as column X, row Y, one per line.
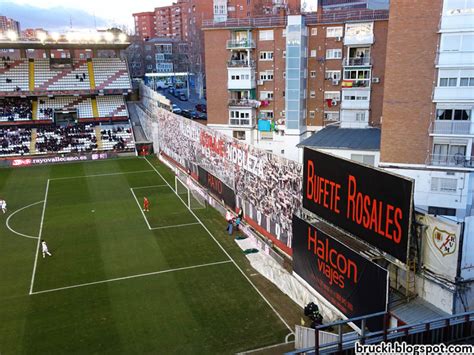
column 194, row 115
column 171, row 90
column 175, row 109
column 201, row 108
column 186, row 113
column 162, row 85
column 183, row 97
column 202, row 116
column 176, row 93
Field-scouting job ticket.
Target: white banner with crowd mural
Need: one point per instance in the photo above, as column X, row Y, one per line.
column 267, row 187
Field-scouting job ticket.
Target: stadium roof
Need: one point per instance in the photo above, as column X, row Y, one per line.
column 61, row 45
column 344, row 138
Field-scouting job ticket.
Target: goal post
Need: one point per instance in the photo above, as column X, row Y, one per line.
column 189, row 194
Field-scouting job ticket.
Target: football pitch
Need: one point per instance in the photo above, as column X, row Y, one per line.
column 120, row 279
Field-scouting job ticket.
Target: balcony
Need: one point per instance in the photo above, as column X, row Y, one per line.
column 243, row 103
column 448, row 127
column 354, row 84
column 453, row 161
column 240, row 79
column 241, row 63
column 356, row 61
column 454, row 94
column 240, row 44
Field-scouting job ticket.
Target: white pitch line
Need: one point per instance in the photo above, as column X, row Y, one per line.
column 39, row 238
column 21, row 209
column 147, row 187
column 99, row 175
column 225, row 251
column 175, row 226
column 131, row 277
column 140, row 208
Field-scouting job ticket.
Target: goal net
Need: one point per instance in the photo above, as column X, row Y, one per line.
column 190, row 194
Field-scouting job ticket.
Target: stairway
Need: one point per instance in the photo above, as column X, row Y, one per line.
column 98, row 136
column 34, row 135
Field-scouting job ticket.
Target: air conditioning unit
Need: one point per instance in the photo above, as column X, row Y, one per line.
column 335, row 82
column 259, row 82
column 375, row 80
column 338, row 39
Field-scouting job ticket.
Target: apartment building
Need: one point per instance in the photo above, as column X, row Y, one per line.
column 274, row 81
column 9, row 24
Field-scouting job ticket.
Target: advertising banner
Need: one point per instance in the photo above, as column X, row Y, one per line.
column 440, row 245
column 55, row 159
column 369, row 203
column 217, row 187
column 354, row 285
column 267, row 187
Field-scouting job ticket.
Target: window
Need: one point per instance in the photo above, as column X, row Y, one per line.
column 441, row 211
column 264, row 55
column 448, row 82
column 457, row 42
column 311, row 114
column 313, row 53
column 266, row 95
column 334, row 32
column 331, row 116
column 283, row 32
column 266, row 135
column 266, row 115
column 362, row 158
column 265, row 35
column 332, row 95
column 359, row 97
column 239, row 118
column 453, row 114
column 312, row 73
column 439, row 184
column 466, row 82
column 312, row 94
column 314, row 31
column 360, row 117
column 333, row 74
column 266, row 75
column 333, row 53
column 240, row 135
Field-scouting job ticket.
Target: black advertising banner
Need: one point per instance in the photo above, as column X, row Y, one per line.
column 354, row 285
column 369, row 203
column 217, row 187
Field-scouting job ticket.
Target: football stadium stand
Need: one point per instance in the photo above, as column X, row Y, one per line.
column 66, row 105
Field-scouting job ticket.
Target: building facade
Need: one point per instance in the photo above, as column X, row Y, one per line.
column 272, row 86
column 9, row 24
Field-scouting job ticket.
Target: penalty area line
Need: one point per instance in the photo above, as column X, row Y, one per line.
column 99, row 175
column 131, row 277
column 140, row 208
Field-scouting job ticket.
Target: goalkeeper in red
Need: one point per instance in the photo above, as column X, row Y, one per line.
column 146, row 205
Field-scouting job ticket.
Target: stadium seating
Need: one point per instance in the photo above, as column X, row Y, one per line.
column 117, row 137
column 14, row 141
column 15, row 109
column 111, row 106
column 13, row 75
column 111, row 73
column 83, row 106
column 75, row 78
column 74, row 139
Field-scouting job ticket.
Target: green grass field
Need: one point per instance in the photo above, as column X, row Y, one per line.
column 122, row 280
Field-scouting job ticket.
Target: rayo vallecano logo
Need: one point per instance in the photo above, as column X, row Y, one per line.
column 444, row 241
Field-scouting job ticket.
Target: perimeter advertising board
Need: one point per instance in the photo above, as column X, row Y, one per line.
column 217, row 187
column 369, row 203
column 354, row 285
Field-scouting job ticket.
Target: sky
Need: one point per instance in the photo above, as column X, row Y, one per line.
column 57, row 15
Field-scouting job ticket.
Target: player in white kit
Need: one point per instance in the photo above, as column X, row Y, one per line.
column 44, row 248
column 3, row 204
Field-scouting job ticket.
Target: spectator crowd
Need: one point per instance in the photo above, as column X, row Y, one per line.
column 12, row 109
column 15, row 141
